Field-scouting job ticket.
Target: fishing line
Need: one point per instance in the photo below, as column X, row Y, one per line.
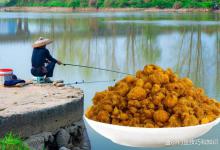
column 104, row 69
column 87, row 82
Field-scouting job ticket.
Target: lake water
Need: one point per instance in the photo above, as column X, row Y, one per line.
column 189, row 43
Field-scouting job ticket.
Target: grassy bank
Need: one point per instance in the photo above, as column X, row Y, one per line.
column 117, row 3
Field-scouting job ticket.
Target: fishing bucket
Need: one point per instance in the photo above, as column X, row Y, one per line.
column 5, row 75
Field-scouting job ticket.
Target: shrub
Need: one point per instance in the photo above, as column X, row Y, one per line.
column 177, row 5
column 121, row 3
column 163, row 3
column 205, row 4
column 74, row 3
column 84, row 3
column 109, row 3
column 100, row 3
column 55, row 3
column 194, row 4
column 11, row 3
column 137, row 3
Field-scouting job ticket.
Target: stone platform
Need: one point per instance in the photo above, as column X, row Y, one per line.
column 35, row 109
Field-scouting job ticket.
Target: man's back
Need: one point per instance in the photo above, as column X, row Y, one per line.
column 39, row 57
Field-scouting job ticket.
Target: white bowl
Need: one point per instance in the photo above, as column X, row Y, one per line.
column 149, row 137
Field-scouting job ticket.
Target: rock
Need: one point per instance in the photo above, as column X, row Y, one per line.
column 60, row 85
column 72, row 137
column 62, row 138
column 76, row 148
column 76, row 133
column 57, row 82
column 47, row 136
column 50, row 143
column 73, row 130
column 51, row 139
column 35, row 142
column 80, row 132
column 64, row 148
column 85, row 146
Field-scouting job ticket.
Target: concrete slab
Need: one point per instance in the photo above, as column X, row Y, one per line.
column 37, row 108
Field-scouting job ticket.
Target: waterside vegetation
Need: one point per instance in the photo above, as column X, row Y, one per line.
column 117, row 3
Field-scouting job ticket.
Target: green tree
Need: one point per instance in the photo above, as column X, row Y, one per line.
column 100, row 3
column 75, row 3
column 137, row 3
column 122, row 3
column 92, row 2
column 164, row 3
column 84, row 3
column 118, row 3
column 109, row 3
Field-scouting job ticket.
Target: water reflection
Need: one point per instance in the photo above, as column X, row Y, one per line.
column 123, row 42
column 117, row 41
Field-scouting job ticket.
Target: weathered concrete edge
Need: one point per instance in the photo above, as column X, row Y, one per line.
column 49, row 119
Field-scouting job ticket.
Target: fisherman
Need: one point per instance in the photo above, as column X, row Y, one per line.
column 42, row 62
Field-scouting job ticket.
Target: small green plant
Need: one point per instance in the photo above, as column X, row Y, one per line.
column 12, row 142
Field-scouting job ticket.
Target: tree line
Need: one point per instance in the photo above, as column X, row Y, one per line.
column 118, row 3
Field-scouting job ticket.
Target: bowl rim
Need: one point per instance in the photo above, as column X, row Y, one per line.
column 214, row 122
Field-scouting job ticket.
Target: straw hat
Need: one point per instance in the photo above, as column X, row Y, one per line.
column 41, row 42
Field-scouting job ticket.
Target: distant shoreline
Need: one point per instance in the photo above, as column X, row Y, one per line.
column 69, row 9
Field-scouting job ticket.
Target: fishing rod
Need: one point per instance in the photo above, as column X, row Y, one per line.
column 104, row 69
column 85, row 82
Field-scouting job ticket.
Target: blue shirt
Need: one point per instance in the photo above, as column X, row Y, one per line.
column 40, row 56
